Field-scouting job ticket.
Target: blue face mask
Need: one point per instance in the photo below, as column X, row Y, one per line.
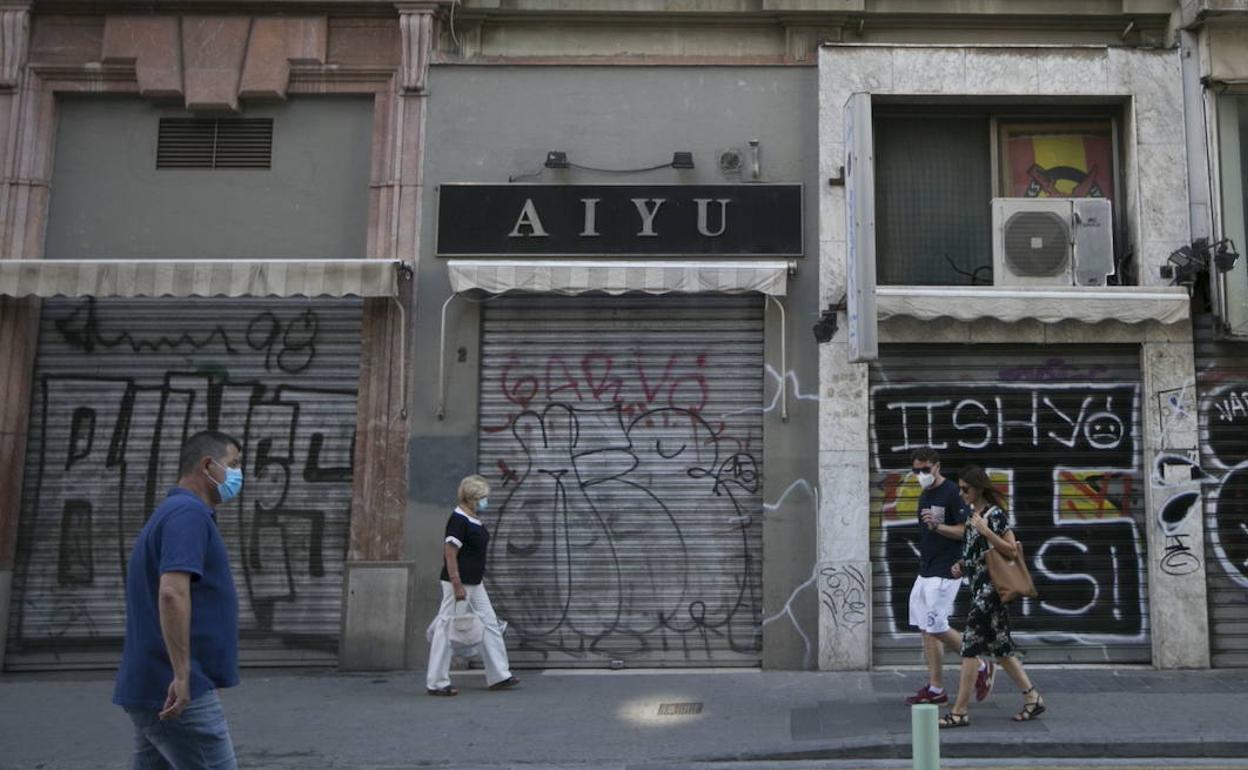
column 232, row 485
column 482, row 504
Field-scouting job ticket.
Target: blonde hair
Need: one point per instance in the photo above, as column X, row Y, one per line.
column 473, row 489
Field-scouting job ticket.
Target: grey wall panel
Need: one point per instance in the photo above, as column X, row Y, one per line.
column 489, row 124
column 1059, row 430
column 1222, row 378
column 109, row 200
column 623, row 437
column 118, row 385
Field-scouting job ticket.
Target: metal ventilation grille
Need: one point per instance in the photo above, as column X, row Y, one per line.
column 1037, row 243
column 209, row 143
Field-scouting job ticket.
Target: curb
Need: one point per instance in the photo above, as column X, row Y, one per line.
column 1029, row 749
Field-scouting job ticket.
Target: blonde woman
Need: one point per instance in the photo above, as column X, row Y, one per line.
column 463, row 570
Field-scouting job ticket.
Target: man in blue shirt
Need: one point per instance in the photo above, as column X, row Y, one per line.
column 182, row 617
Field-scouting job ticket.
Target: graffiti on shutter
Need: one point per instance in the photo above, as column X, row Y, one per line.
column 624, row 441
column 1059, row 435
column 118, row 386
column 1222, row 375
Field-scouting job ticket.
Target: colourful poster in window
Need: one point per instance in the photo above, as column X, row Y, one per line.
column 1058, row 160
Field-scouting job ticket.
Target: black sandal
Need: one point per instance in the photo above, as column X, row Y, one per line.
column 954, row 720
column 445, row 692
column 510, row 681
column 1030, row 710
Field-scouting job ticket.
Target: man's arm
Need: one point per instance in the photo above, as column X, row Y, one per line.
column 175, row 628
column 951, row 531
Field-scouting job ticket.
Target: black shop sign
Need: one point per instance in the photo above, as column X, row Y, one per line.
column 477, row 220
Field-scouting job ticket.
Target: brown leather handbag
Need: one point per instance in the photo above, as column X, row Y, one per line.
column 1010, row 577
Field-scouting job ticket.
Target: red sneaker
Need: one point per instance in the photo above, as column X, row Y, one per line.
column 984, row 679
column 925, row 695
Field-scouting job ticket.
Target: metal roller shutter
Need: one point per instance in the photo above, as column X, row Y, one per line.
column 118, row 385
column 1222, row 378
column 1059, row 429
column 623, row 439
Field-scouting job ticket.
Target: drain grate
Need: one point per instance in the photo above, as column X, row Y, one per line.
column 679, row 709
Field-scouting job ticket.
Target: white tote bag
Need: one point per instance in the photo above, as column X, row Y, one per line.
column 470, row 625
column 464, row 628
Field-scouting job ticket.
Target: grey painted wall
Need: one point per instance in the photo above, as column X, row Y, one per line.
column 110, row 201
column 486, row 124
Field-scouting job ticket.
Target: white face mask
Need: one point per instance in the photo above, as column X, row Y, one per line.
column 482, row 504
column 926, row 480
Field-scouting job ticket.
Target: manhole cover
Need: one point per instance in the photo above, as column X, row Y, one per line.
column 679, row 709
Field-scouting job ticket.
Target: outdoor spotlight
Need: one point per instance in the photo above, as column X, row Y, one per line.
column 682, row 160
column 1187, row 262
column 556, row 159
column 1225, row 256
column 825, row 327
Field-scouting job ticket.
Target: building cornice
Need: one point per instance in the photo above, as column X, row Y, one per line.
column 386, row 8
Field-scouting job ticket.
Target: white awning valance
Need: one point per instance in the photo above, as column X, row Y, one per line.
column 617, row 277
column 199, row 278
column 1128, row 304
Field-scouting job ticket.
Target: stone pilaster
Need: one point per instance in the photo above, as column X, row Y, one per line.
column 14, row 40
column 23, row 198
column 843, row 581
column 379, row 498
column 1173, row 522
column 416, row 22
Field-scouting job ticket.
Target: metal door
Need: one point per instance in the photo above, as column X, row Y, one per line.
column 623, row 438
column 118, row 385
column 1059, row 431
column 1222, row 378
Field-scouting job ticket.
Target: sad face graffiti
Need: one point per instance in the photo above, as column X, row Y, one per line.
column 1104, row 430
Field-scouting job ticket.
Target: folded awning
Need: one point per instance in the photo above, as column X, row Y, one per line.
column 199, row 278
column 1228, row 54
column 617, row 277
column 1128, row 304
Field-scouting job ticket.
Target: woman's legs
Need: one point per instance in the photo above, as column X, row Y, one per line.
column 1014, row 667
column 438, row 675
column 966, row 685
column 493, row 648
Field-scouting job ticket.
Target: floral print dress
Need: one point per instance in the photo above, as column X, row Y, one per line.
column 988, row 622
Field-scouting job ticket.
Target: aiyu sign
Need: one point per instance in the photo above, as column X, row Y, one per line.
column 620, row 220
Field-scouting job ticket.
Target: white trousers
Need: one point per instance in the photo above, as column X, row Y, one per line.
column 493, row 649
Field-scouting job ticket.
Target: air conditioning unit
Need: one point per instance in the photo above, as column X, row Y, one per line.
column 1052, row 241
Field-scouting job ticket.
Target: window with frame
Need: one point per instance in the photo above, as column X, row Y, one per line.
column 1232, row 302
column 938, row 168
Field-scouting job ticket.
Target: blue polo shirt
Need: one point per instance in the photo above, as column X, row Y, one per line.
column 180, row 536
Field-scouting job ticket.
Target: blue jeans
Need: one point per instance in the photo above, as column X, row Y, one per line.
column 197, row 740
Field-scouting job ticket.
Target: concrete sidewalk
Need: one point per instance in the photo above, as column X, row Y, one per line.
column 606, row 719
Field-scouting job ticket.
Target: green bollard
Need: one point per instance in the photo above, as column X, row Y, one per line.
column 926, row 736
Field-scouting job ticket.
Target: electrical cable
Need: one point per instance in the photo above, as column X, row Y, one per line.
column 529, row 175
column 973, row 274
column 618, row 170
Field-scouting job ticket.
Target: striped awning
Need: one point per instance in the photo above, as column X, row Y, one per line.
column 1128, row 304
column 617, row 277
column 199, row 278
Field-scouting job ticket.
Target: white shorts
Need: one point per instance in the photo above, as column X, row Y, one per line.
column 931, row 603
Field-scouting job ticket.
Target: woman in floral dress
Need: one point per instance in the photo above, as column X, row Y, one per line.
column 988, row 623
